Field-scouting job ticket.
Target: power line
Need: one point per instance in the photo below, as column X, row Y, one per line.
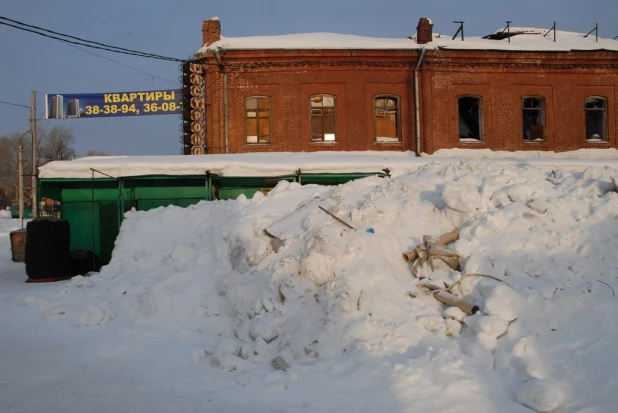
column 14, row 104
column 123, row 64
column 79, row 38
column 113, row 49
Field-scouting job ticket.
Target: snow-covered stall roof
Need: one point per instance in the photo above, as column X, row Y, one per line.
column 259, row 164
column 276, row 164
column 526, row 39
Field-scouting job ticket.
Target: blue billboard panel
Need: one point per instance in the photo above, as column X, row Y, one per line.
column 106, row 105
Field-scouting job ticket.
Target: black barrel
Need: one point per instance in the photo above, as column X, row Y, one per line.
column 48, row 243
column 84, row 262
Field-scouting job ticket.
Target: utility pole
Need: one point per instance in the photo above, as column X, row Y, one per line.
column 34, row 151
column 20, row 180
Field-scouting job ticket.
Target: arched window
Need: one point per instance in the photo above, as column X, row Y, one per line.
column 596, row 118
column 257, row 120
column 470, row 118
column 323, row 118
column 533, row 118
column 386, row 115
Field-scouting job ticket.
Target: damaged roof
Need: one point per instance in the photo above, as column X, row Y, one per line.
column 521, row 39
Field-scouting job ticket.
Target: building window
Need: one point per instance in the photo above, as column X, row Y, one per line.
column 596, row 119
column 469, row 109
column 533, row 119
column 257, row 119
column 323, row 118
column 386, row 119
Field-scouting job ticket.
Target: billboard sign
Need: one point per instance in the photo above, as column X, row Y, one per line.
column 106, row 105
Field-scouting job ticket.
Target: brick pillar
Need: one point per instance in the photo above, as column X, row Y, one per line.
column 211, row 31
column 424, row 31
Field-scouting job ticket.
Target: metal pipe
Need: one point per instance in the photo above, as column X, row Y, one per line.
column 226, row 114
column 217, row 52
column 20, row 180
column 92, row 218
column 417, row 112
column 34, row 151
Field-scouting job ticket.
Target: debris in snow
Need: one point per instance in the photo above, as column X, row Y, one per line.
column 610, row 287
column 443, row 240
column 311, row 349
column 433, row 251
column 290, row 225
column 279, row 363
column 336, row 217
column 450, row 299
column 442, row 293
column 538, row 206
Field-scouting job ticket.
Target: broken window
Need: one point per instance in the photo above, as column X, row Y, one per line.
column 596, row 119
column 257, row 119
column 323, row 119
column 533, row 118
column 386, row 118
column 469, row 108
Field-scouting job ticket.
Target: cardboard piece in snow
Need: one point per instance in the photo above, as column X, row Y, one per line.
column 290, row 225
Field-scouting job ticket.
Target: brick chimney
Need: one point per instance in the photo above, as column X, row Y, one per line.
column 424, row 31
column 211, row 31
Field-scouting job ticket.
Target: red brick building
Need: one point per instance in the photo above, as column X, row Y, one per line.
column 514, row 90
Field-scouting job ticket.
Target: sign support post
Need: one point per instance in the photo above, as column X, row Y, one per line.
column 34, row 151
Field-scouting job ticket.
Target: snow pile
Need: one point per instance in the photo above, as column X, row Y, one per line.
column 5, row 214
column 588, row 153
column 335, row 302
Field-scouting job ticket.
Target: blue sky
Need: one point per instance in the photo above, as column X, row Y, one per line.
column 173, row 28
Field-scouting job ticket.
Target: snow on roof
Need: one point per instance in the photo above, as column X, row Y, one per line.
column 529, row 39
column 310, row 41
column 287, row 163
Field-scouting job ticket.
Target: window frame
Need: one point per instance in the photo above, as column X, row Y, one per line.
column 245, row 112
column 335, row 120
column 604, row 111
column 397, row 120
column 544, row 118
column 481, row 138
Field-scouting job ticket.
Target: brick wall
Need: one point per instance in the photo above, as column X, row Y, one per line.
column 500, row 79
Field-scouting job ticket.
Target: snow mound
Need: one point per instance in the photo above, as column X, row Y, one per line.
column 334, row 301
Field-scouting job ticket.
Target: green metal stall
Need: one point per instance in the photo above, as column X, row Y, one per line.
column 95, row 208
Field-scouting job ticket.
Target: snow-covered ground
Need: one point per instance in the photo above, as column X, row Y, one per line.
column 196, row 302
column 5, row 214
